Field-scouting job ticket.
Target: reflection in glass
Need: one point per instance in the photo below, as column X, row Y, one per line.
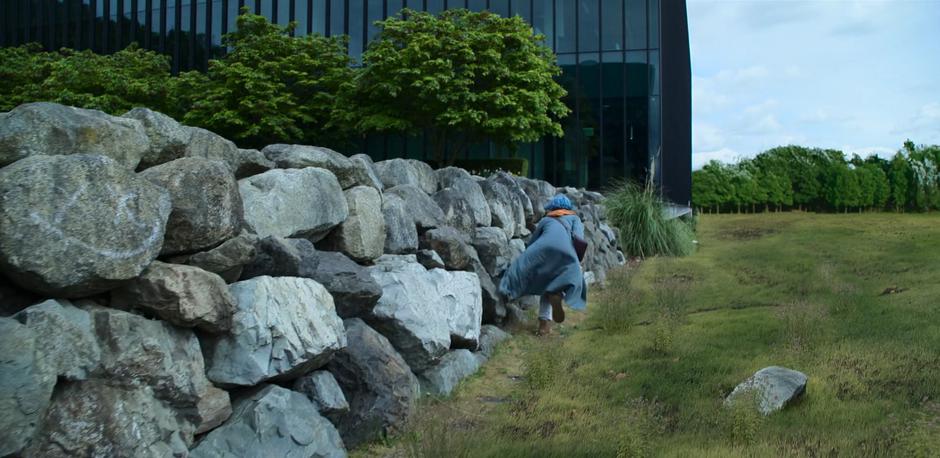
column 565, row 26
column 435, row 6
column 613, row 149
column 589, row 119
column 394, row 6
column 589, row 25
column 300, row 15
column 500, row 7
column 636, row 83
column 319, row 16
column 636, row 24
column 654, row 72
column 542, row 21
column 612, row 25
column 654, row 24
column 337, row 19
column 655, row 140
column 476, row 5
column 283, row 11
column 375, row 14
column 522, row 8
column 355, row 28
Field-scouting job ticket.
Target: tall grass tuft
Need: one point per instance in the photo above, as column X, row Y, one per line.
column 644, row 229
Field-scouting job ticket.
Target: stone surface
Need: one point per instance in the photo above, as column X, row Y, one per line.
column 183, row 295
column 505, row 207
column 494, row 304
column 141, row 352
column 425, row 312
column 354, row 291
column 396, row 172
column 293, row 203
column 427, row 180
column 430, row 259
column 321, row 388
column 540, row 193
column 77, row 225
column 452, row 245
column 207, row 207
column 379, row 385
column 45, row 128
column 774, row 387
column 401, row 235
column 249, row 162
column 96, row 419
column 490, row 337
column 212, row 409
column 425, row 213
column 302, row 156
column 168, row 138
column 493, row 249
column 362, row 235
column 461, row 199
column 284, row 327
column 520, row 197
column 367, row 173
column 26, row 382
column 65, row 337
column 226, row 260
column 455, row 366
column 276, row 422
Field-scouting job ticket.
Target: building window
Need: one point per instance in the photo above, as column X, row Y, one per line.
column 635, row 26
column 589, row 16
column 612, row 25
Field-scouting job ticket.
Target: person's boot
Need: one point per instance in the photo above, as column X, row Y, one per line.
column 545, row 328
column 558, row 312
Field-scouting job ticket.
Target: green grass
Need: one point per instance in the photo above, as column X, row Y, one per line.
column 644, row 372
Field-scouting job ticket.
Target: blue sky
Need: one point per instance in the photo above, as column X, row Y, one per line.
column 857, row 75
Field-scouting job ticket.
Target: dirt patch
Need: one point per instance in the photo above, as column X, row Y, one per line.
column 748, row 233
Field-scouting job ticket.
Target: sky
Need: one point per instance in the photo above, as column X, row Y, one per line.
column 856, row 75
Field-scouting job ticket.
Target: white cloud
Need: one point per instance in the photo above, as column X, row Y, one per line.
column 726, row 155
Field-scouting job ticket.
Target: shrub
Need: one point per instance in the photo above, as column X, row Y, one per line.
column 645, row 230
column 270, row 87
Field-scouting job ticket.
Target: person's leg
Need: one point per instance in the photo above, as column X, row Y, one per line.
column 557, row 311
column 545, row 317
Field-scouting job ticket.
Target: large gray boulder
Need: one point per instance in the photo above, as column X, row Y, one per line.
column 354, row 291
column 27, row 378
column 209, row 145
column 455, row 366
column 425, row 213
column 248, row 162
column 452, row 245
column 540, row 193
column 362, row 235
column 427, row 180
column 293, row 203
column 142, row 352
column 379, row 385
column 425, row 312
column 347, row 172
column 273, row 421
column 44, row 128
column 506, row 208
column 226, row 260
column 168, row 138
column 284, row 327
column 455, row 182
column 364, row 162
column 493, row 248
column 65, row 337
column 183, row 295
column 774, row 387
column 207, row 207
column 401, row 235
column 321, row 388
column 490, row 338
column 95, row 418
column 397, row 172
column 77, row 225
column 519, row 196
column 494, row 304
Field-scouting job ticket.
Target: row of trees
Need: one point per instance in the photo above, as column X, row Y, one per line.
column 461, row 77
column 795, row 177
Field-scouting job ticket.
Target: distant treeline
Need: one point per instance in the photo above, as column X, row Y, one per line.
column 795, row 177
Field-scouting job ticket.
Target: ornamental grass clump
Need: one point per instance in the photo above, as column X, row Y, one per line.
column 645, row 230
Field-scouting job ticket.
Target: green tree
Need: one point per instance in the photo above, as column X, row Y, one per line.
column 270, row 87
column 461, row 77
column 112, row 83
column 900, row 179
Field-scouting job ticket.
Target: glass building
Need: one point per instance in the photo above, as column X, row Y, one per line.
column 625, row 64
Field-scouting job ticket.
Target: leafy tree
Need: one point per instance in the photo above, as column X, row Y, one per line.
column 22, row 71
column 112, row 83
column 462, row 77
column 270, row 87
column 900, row 179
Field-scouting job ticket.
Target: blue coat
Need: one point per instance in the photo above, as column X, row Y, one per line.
column 549, row 264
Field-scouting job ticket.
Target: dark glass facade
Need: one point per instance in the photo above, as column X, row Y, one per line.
column 625, row 64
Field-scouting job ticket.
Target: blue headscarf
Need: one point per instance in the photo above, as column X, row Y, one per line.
column 559, row 202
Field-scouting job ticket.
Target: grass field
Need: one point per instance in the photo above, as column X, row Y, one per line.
column 645, row 370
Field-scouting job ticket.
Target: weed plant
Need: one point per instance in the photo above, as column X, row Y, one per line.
column 644, row 227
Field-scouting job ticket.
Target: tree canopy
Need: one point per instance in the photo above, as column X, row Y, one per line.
column 824, row 180
column 461, row 76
